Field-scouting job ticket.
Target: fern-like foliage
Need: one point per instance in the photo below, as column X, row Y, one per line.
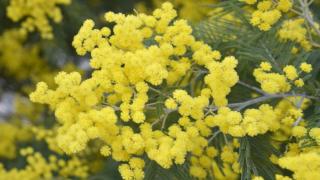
column 254, row 157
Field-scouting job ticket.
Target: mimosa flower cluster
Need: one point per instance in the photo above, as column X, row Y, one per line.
column 13, row 135
column 296, row 28
column 303, row 162
column 275, row 82
column 39, row 167
column 188, row 9
column 295, row 31
column 268, row 12
column 12, row 49
column 18, row 61
column 137, row 105
column 35, row 15
column 85, row 112
column 228, row 92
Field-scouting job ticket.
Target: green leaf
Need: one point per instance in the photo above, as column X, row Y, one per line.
column 177, row 172
column 254, row 153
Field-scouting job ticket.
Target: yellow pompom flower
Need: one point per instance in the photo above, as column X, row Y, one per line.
column 305, row 67
column 274, row 82
column 170, row 104
column 299, row 82
column 294, row 30
column 315, row 134
column 291, row 72
column 265, row 66
column 284, row 5
column 299, row 131
column 105, row 151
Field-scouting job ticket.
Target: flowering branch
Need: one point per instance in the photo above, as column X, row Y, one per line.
column 241, row 105
column 306, row 14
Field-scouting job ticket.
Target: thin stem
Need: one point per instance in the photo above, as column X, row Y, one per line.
column 158, row 120
column 306, row 13
column 164, row 120
column 310, row 2
column 296, row 123
column 252, row 87
column 315, row 44
column 213, row 136
column 116, row 108
column 154, row 103
column 293, row 10
column 209, row 112
column 300, row 117
column 159, row 92
column 271, row 57
column 241, row 105
column 226, row 139
column 296, row 11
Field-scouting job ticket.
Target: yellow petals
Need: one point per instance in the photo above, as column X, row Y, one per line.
column 315, row 134
column 290, row 72
column 198, row 171
column 299, row 131
column 284, row 5
column 34, row 17
column 221, row 78
column 157, row 93
column 105, row 151
column 265, row 66
column 299, row 82
column 268, row 12
column 274, row 82
column 264, row 19
column 39, row 167
column 305, row 67
column 294, row 30
column 304, row 165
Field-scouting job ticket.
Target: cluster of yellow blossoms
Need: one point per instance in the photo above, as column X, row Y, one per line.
column 125, row 70
column 24, row 62
column 203, row 165
column 187, row 9
column 35, row 14
column 295, row 31
column 18, row 61
column 268, row 12
column 12, row 135
column 304, row 165
column 38, row 167
column 133, row 170
column 134, row 104
column 279, row 83
column 252, row 123
column 302, row 161
column 288, row 113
